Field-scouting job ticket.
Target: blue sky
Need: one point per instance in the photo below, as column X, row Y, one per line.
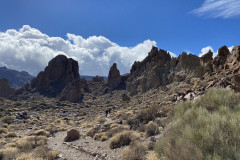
column 173, row 25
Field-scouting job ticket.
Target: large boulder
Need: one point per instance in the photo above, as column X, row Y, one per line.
column 72, row 135
column 5, row 89
column 59, row 72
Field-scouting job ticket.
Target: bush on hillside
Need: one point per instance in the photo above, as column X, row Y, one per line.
column 208, row 128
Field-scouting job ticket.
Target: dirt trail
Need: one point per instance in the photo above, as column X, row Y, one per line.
column 86, row 148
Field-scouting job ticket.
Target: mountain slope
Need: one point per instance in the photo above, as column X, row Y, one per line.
column 16, row 78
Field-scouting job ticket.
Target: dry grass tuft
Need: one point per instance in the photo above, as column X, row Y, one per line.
column 152, row 156
column 6, row 119
column 102, row 136
column 123, row 138
column 44, row 153
column 30, row 142
column 9, row 153
column 136, row 151
column 41, row 132
column 151, row 129
column 116, row 128
column 11, row 135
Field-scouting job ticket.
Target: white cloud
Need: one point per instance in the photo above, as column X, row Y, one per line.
column 219, row 8
column 172, row 54
column 30, row 50
column 206, row 49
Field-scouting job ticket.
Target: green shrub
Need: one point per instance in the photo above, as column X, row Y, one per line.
column 208, row 128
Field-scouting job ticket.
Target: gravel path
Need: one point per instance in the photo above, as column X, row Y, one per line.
column 86, row 148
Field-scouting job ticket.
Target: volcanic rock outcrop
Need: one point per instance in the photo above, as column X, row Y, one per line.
column 5, row 89
column 115, row 80
column 59, row 72
column 73, row 92
column 160, row 69
column 220, row 60
column 207, row 62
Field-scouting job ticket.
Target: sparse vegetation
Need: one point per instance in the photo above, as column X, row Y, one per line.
column 41, row 132
column 123, row 138
column 152, row 129
column 205, row 129
column 136, row 151
column 7, row 119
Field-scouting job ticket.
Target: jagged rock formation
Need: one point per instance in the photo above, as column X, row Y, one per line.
column 59, row 72
column 207, row 62
column 234, row 57
column 159, row 69
column 16, row 79
column 5, row 89
column 220, row 60
column 115, row 80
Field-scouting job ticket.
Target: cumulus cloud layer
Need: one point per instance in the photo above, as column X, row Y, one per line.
column 219, row 8
column 30, row 50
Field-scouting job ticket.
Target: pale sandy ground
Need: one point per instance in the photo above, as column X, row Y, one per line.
column 83, row 149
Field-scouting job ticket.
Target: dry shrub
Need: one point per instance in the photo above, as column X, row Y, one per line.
column 25, row 156
column 92, row 131
column 116, row 128
column 44, row 153
column 102, row 136
column 9, row 153
column 7, row 119
column 30, row 142
column 123, row 138
column 11, row 135
column 136, row 151
column 204, row 129
column 100, row 119
column 152, row 129
column 152, row 156
column 41, row 132
column 148, row 114
column 51, row 129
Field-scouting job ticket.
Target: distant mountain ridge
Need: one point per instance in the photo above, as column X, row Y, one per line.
column 16, row 78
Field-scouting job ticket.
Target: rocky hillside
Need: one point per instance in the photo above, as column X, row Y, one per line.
column 16, row 79
column 160, row 69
